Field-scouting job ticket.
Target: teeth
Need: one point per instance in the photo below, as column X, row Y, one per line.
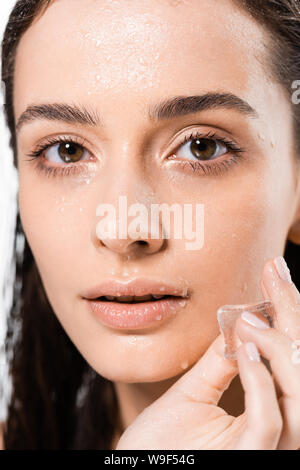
column 125, row 298
column 143, row 297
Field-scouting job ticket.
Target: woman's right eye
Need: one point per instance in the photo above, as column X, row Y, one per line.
column 66, row 152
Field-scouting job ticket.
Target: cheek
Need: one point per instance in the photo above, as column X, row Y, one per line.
column 244, row 227
column 55, row 226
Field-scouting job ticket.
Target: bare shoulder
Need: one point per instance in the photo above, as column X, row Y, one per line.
column 1, row 435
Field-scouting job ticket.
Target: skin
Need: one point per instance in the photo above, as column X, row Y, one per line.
column 117, row 59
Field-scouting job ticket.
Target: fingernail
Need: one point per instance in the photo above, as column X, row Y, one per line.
column 252, row 352
column 282, row 269
column 254, row 320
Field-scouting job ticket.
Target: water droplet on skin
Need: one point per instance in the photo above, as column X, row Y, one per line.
column 182, row 303
column 261, row 137
column 244, row 287
column 98, row 77
column 161, row 289
column 159, row 317
column 98, row 43
column 132, row 340
column 184, row 365
column 135, row 270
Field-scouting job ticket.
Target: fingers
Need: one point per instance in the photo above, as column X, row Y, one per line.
column 207, row 380
column 276, row 347
column 277, row 286
column 264, row 421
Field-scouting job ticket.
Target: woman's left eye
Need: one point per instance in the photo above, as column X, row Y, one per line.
column 202, row 149
column 67, row 152
column 203, row 152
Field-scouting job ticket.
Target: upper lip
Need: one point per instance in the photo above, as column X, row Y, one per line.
column 134, row 287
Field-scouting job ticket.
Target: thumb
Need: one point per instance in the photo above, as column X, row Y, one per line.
column 208, row 379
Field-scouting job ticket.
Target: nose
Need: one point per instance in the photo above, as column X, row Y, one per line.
column 125, row 225
column 138, row 246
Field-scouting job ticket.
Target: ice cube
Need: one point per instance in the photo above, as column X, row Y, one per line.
column 227, row 316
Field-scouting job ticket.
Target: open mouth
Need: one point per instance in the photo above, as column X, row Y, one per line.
column 136, row 304
column 133, row 299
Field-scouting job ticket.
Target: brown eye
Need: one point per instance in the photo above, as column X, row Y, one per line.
column 70, row 152
column 203, row 149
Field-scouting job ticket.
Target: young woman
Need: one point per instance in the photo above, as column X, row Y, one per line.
column 175, row 102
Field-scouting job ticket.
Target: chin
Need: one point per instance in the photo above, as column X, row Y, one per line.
column 138, row 371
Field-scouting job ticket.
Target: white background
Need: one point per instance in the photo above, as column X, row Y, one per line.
column 8, row 188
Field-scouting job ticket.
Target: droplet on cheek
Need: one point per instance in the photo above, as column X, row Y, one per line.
column 184, row 365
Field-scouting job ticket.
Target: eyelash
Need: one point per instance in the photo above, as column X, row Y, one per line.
column 66, row 170
column 215, row 167
column 212, row 167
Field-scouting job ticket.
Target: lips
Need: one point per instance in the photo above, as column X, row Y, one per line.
column 134, row 288
column 138, row 303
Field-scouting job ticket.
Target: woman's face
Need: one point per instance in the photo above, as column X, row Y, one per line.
column 118, row 60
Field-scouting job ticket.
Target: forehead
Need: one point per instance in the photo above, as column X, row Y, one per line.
column 87, row 50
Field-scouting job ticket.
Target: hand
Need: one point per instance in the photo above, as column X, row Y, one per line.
column 187, row 415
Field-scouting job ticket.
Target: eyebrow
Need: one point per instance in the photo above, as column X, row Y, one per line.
column 58, row 112
column 167, row 109
column 183, row 105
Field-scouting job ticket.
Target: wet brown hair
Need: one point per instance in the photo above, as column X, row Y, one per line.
column 57, row 400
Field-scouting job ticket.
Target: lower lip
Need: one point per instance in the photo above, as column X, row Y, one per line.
column 138, row 315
